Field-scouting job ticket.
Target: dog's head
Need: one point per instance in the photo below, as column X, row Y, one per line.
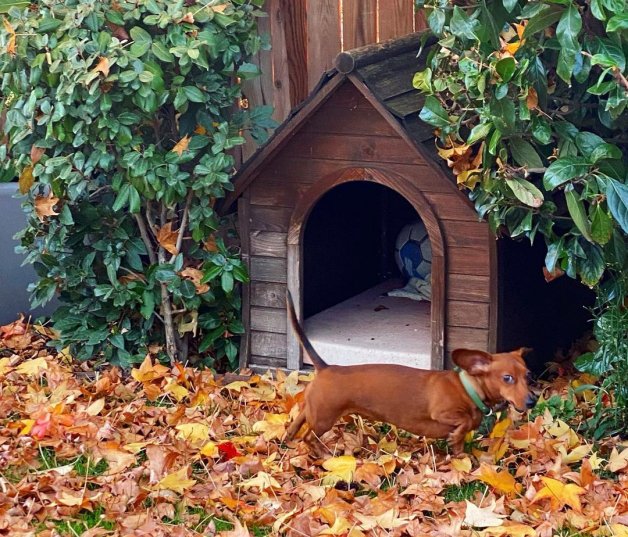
column 503, row 376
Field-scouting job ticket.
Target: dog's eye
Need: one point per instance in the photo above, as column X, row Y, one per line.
column 508, row 379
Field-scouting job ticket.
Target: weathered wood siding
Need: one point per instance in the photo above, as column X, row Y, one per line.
column 347, row 132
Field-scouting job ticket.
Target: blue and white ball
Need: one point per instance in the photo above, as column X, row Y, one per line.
column 413, row 251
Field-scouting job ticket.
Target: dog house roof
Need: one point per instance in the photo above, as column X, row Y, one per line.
column 383, row 72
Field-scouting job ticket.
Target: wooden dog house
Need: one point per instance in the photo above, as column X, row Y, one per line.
column 347, row 167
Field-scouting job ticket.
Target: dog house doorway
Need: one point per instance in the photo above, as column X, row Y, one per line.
column 347, row 267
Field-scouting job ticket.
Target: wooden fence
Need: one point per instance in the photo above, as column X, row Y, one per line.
column 306, row 36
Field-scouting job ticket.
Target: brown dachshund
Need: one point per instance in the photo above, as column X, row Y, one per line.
column 435, row 404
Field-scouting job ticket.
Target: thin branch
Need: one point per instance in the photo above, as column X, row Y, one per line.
column 147, row 242
column 182, row 226
column 151, row 219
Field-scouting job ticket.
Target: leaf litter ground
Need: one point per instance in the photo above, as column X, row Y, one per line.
column 182, row 452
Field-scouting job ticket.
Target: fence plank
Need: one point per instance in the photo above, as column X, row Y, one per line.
column 358, row 23
column 395, row 18
column 280, row 72
column 295, row 27
column 323, row 37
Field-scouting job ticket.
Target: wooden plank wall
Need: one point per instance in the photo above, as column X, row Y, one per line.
column 306, row 36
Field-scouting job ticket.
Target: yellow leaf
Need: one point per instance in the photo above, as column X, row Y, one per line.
column 177, row 481
column 469, row 178
column 135, row 447
column 619, row 530
column 210, row 449
column 339, row 469
column 618, row 461
column 273, row 426
column 387, row 446
column 237, row 385
column 28, row 425
column 500, row 428
column 559, row 494
column 509, row 530
column 96, row 407
column 32, row 367
column 262, row 481
column 5, row 366
column 181, row 145
column 340, row 527
column 462, row 465
column 7, row 26
column 501, row 481
column 595, row 461
column 575, row 455
column 179, row 392
column 26, row 180
column 195, row 433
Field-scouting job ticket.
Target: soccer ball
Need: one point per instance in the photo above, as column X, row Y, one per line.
column 413, row 251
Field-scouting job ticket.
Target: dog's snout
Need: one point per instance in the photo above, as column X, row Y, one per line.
column 531, row 400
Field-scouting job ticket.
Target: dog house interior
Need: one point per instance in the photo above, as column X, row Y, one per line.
column 349, row 247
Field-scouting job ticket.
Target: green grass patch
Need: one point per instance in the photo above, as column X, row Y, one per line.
column 464, row 491
column 84, row 521
column 261, row 531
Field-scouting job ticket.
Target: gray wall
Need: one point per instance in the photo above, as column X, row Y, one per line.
column 14, row 278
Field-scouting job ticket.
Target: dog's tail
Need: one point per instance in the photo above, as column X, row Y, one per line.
column 318, row 362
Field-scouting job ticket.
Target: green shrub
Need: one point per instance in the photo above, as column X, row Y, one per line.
column 120, row 119
column 529, row 104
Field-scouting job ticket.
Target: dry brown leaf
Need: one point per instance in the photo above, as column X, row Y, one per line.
column 168, row 239
column 45, row 206
column 181, row 145
column 36, row 154
column 102, row 66
column 195, row 276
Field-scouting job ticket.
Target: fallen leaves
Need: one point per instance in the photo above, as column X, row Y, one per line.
column 559, row 494
column 172, row 451
column 182, row 145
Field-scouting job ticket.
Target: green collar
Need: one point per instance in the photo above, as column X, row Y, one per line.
column 466, row 383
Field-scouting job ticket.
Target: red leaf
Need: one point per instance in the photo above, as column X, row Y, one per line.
column 228, row 450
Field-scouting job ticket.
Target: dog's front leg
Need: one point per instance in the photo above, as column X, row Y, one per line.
column 462, row 424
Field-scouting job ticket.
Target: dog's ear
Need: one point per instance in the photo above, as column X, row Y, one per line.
column 524, row 351
column 472, row 361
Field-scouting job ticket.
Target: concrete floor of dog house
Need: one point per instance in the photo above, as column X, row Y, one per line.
column 361, row 331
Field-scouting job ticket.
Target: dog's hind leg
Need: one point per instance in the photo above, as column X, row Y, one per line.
column 295, row 425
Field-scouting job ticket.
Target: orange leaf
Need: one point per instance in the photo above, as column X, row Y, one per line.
column 148, row 372
column 182, row 145
column 102, row 66
column 532, row 100
column 168, row 238
column 45, row 206
column 501, row 481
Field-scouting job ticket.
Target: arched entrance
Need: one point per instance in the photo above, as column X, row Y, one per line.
column 408, row 191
